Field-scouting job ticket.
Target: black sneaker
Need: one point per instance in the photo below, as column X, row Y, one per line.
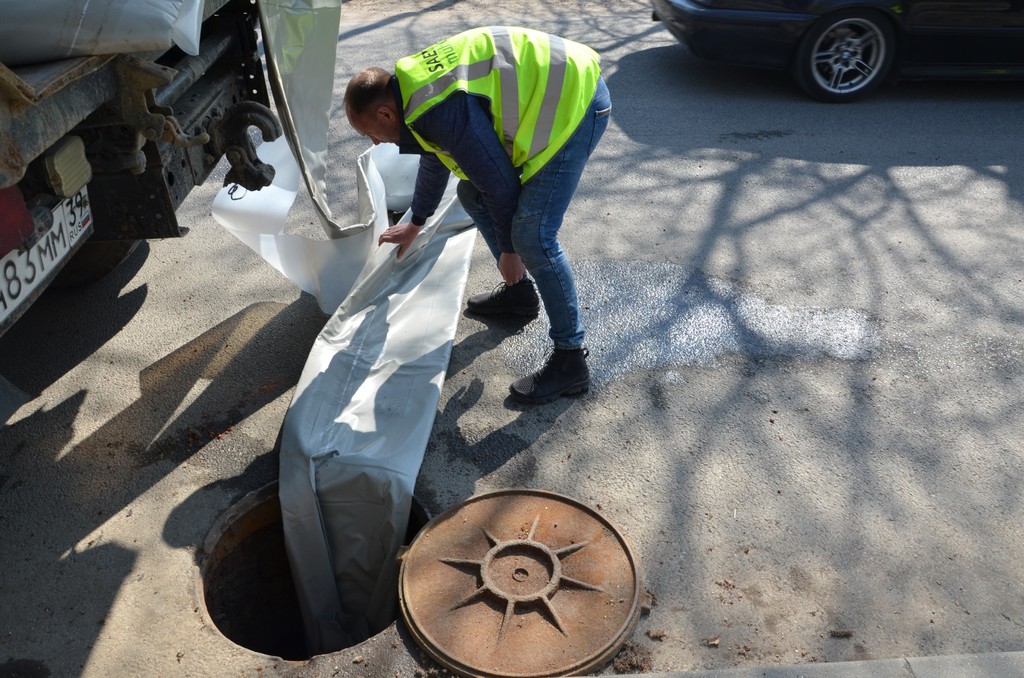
column 565, row 373
column 520, row 299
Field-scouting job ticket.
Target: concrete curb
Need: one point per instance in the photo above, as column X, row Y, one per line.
column 994, row 665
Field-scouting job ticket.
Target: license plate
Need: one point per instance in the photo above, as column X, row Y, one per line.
column 23, row 273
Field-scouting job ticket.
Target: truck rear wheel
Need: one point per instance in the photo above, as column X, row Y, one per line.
column 93, row 261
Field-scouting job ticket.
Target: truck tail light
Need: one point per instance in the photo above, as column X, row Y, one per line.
column 16, row 224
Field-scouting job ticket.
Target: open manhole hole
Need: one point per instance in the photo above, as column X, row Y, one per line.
column 520, row 583
column 246, row 582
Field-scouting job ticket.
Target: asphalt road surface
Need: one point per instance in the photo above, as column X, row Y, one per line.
column 805, row 330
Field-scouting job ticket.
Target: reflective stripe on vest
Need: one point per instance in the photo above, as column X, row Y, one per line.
column 548, row 63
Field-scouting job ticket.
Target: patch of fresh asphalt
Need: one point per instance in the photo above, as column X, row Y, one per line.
column 776, row 490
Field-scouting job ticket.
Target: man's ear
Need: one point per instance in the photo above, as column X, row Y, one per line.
column 385, row 112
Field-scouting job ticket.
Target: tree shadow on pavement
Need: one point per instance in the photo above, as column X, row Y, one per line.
column 63, row 500
column 470, row 454
column 829, row 495
column 80, row 331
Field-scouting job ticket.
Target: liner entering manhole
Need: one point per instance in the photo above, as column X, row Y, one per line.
column 246, row 581
column 520, row 583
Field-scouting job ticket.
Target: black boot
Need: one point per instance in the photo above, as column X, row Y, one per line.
column 520, row 299
column 565, row 373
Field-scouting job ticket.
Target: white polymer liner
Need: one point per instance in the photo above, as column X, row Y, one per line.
column 355, row 432
column 354, row 435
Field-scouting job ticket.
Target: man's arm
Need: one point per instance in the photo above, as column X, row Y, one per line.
column 462, row 126
column 431, row 180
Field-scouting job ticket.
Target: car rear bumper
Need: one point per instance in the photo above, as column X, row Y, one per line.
column 742, row 37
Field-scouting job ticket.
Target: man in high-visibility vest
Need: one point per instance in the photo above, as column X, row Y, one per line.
column 515, row 113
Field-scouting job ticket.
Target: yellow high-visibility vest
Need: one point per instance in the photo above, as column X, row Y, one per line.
column 539, row 87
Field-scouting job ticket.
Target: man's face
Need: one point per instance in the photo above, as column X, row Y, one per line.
column 380, row 125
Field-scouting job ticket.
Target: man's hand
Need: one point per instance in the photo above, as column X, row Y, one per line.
column 400, row 234
column 511, row 268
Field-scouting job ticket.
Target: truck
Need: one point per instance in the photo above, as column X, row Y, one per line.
column 99, row 151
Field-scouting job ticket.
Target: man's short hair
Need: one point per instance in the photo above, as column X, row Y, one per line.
column 366, row 91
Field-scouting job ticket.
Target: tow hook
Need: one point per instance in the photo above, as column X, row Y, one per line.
column 229, row 135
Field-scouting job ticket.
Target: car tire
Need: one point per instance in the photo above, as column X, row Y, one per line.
column 93, row 261
column 845, row 56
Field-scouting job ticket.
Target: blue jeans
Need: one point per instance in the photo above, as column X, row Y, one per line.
column 542, row 204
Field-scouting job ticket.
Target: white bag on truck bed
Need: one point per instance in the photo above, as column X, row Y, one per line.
column 50, row 30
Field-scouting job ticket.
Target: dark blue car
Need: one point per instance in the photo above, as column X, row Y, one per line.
column 840, row 50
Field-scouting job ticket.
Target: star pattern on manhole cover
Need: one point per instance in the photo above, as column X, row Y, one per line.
column 521, row 572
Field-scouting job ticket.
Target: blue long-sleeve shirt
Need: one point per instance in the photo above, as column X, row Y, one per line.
column 463, row 127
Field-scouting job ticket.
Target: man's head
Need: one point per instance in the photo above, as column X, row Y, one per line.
column 371, row 107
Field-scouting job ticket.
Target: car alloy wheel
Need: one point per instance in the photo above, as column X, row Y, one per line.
column 845, row 56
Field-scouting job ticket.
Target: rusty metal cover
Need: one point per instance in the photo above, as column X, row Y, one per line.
column 520, row 583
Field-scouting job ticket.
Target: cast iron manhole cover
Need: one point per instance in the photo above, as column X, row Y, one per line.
column 520, row 583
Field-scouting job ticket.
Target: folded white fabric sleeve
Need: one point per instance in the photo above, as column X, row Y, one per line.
column 355, row 432
column 300, row 38
column 327, row 269
column 353, row 438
